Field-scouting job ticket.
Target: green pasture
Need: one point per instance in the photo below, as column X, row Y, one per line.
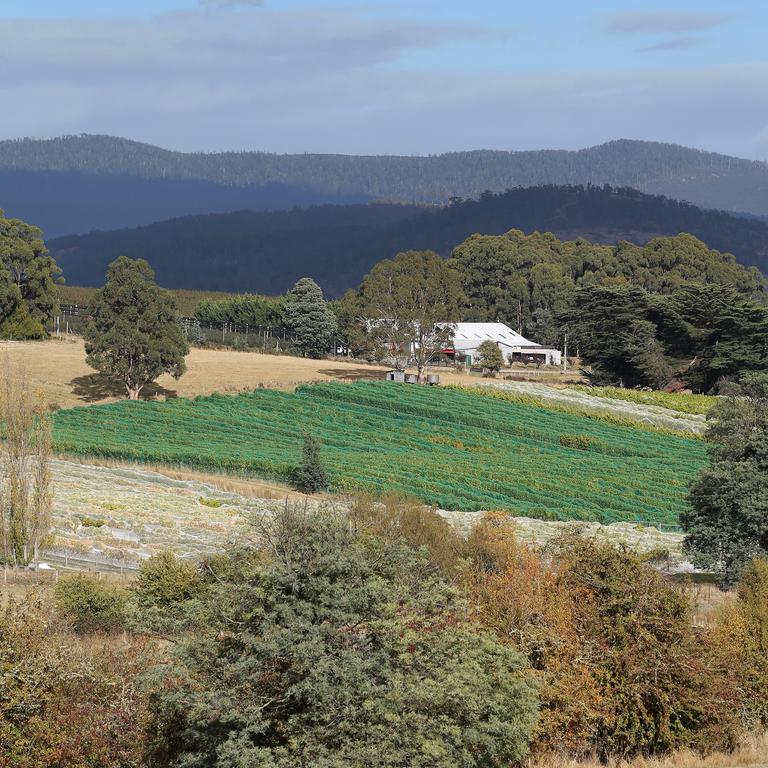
column 450, row 447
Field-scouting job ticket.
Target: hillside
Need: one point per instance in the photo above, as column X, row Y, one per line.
column 450, row 447
column 704, row 178
column 337, row 245
column 63, row 202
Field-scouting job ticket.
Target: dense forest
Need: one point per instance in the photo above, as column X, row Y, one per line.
column 64, row 203
column 336, row 245
column 704, row 178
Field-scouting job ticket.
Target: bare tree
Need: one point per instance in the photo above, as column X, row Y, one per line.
column 26, row 495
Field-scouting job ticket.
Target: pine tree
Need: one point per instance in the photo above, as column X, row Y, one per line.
column 307, row 314
column 310, row 476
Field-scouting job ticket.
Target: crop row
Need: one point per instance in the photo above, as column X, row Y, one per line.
column 452, row 448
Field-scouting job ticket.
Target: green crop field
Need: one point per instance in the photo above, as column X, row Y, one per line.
column 450, row 447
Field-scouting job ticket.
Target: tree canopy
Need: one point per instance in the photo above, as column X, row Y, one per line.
column 28, row 279
column 133, row 333
column 510, row 278
column 703, row 334
column 333, row 652
column 308, row 316
column 727, row 522
column 408, row 304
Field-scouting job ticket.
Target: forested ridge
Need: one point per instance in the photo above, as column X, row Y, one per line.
column 705, row 178
column 336, row 245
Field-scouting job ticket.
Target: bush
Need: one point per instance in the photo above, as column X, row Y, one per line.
column 397, row 517
column 741, row 631
column 91, row 605
column 164, row 581
column 489, row 356
column 331, row 652
column 579, row 442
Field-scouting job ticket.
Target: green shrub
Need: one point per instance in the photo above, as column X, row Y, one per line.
column 213, row 503
column 92, row 522
column 579, row 442
column 91, row 605
column 164, row 581
column 21, row 325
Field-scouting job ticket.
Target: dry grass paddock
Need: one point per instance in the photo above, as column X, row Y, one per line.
column 751, row 754
column 57, row 368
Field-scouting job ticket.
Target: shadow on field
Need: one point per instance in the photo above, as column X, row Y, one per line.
column 352, row 374
column 97, row 386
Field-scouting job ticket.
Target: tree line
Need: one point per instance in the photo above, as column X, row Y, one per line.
column 266, row 252
column 709, row 179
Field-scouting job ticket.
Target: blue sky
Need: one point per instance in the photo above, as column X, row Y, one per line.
column 390, row 76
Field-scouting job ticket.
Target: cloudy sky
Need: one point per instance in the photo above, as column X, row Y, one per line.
column 394, row 76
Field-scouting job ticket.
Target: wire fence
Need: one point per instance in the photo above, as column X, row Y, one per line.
column 72, row 319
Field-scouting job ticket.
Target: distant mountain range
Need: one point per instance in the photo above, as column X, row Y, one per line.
column 338, row 244
column 78, row 183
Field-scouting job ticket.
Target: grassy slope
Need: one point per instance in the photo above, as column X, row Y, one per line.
column 450, row 447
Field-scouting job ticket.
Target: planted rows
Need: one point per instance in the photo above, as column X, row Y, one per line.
column 452, row 448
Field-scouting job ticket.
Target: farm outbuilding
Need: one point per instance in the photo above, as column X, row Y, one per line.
column 467, row 337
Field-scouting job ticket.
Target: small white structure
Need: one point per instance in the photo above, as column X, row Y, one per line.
column 467, row 337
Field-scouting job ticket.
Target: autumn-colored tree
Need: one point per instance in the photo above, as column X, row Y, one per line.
column 622, row 670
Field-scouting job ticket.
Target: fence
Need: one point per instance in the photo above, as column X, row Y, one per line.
column 266, row 338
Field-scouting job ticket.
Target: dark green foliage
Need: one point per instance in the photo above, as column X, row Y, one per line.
column 21, row 325
column 701, row 333
column 28, row 278
column 337, row 245
column 727, row 524
column 525, row 281
column 308, row 316
column 245, row 309
column 133, row 332
column 91, row 605
column 310, row 476
column 490, row 356
column 335, row 652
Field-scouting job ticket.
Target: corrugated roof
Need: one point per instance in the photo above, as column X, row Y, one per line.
column 498, row 332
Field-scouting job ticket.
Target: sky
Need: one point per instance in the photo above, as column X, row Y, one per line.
column 388, row 76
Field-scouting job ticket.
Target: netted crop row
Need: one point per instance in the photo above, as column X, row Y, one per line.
column 450, row 447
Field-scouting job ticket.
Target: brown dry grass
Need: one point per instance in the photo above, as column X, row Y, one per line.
column 58, row 370
column 252, row 488
column 752, row 754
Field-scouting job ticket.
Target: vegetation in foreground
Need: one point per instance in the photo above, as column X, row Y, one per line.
column 451, row 448
column 379, row 638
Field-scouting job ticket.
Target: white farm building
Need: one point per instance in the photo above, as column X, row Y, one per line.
column 467, row 337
